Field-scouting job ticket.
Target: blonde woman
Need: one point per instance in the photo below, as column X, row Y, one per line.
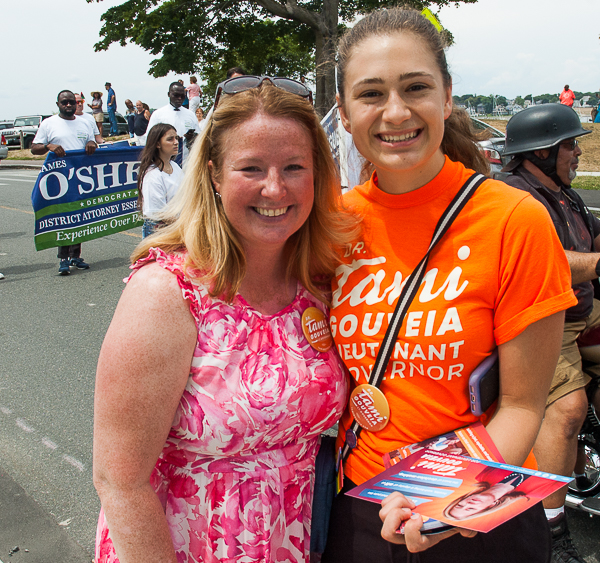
column 209, row 397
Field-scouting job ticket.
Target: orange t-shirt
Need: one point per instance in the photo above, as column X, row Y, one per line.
column 498, row 269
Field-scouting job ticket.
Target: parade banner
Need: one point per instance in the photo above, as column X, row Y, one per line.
column 347, row 158
column 78, row 197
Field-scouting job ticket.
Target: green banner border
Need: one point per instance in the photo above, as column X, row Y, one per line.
column 101, row 229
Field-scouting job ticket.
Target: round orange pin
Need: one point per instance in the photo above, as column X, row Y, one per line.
column 316, row 329
column 369, row 407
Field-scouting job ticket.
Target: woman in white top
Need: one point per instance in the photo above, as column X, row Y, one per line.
column 159, row 177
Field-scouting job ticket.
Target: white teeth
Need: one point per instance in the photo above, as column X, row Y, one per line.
column 397, row 138
column 271, row 212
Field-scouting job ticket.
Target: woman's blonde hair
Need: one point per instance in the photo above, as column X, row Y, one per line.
column 196, row 221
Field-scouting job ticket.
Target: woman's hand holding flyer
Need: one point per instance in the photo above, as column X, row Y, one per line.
column 403, row 526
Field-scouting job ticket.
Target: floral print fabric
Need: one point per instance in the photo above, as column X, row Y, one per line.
column 236, row 474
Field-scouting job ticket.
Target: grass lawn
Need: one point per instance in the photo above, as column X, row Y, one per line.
column 586, row 183
column 18, row 154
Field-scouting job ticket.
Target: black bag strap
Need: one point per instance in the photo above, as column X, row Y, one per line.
column 411, row 288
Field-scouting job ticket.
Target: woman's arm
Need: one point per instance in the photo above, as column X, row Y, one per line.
column 142, row 371
column 527, row 364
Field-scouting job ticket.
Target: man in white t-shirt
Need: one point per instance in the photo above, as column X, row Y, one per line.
column 184, row 120
column 60, row 133
column 88, row 117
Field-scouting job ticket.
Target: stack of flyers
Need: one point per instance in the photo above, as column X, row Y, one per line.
column 461, row 491
column 472, row 441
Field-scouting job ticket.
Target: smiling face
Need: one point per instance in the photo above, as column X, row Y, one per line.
column 266, row 180
column 395, row 106
column 472, row 505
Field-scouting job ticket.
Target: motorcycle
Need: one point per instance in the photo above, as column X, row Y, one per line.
column 584, row 492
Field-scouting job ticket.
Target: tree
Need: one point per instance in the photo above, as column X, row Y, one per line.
column 202, row 36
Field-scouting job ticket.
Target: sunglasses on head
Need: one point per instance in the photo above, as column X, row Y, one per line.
column 570, row 144
column 243, row 83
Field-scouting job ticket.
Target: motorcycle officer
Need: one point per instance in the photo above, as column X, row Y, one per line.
column 543, row 142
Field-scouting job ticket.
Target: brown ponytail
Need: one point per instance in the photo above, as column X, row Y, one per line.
column 460, row 142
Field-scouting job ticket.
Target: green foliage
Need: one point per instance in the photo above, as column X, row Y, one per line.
column 191, row 36
column 274, row 48
column 207, row 36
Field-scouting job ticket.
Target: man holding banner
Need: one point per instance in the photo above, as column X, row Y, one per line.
column 58, row 134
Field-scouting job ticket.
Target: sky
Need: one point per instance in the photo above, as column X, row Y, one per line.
column 503, row 47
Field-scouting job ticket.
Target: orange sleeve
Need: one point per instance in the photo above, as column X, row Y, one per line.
column 535, row 279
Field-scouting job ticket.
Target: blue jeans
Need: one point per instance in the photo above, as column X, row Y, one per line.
column 114, row 128
column 148, row 227
column 129, row 117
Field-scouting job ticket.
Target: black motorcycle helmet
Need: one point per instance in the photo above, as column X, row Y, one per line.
column 541, row 127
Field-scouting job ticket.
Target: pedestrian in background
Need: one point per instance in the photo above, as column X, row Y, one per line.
column 186, row 101
column 235, row 71
column 181, row 118
column 567, row 97
column 194, row 92
column 88, row 117
column 60, row 133
column 96, row 107
column 129, row 116
column 111, row 108
column 140, row 122
column 159, row 176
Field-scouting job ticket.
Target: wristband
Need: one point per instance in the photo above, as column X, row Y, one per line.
column 598, row 269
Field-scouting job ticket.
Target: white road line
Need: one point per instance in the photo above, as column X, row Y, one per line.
column 46, row 441
column 74, row 462
column 49, row 443
column 23, row 425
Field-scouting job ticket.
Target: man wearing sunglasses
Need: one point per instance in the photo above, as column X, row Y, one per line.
column 545, row 154
column 60, row 133
column 184, row 120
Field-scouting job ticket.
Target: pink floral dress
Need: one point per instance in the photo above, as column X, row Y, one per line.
column 235, row 476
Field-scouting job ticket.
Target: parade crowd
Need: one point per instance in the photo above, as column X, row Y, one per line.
column 213, row 389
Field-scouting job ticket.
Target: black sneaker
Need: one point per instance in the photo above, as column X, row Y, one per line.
column 63, row 268
column 563, row 550
column 79, row 264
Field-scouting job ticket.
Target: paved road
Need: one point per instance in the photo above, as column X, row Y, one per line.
column 51, row 329
column 590, row 197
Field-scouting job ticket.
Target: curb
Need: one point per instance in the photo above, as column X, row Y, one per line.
column 20, row 165
column 25, row 525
